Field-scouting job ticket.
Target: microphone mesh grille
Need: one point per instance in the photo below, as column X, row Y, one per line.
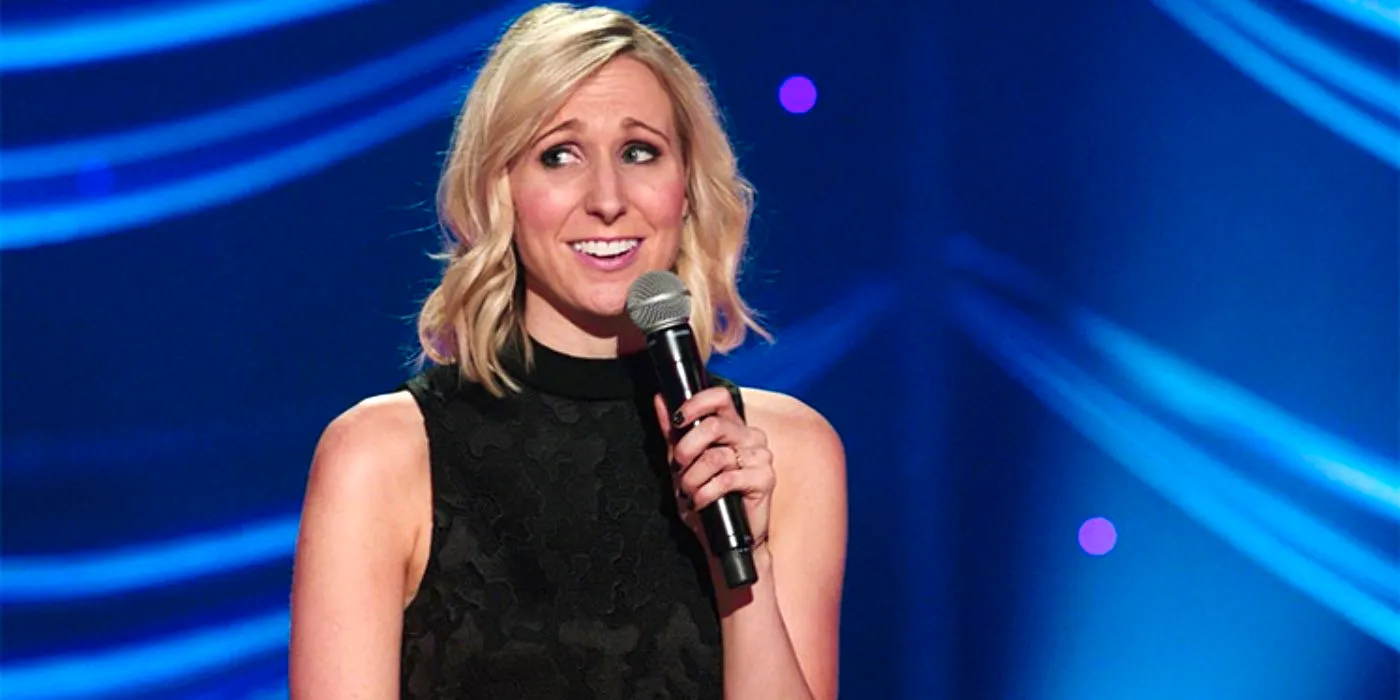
column 657, row 300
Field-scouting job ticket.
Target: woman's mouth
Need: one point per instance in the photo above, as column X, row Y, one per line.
column 607, row 253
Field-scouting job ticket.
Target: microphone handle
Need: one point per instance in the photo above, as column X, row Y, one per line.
column 681, row 375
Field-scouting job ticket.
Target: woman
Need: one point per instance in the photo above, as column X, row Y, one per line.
column 513, row 523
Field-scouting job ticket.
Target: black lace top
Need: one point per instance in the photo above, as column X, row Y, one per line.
column 558, row 566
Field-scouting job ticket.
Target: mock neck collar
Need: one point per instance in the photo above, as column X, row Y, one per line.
column 553, row 372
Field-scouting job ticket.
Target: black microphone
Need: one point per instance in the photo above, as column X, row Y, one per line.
column 659, row 305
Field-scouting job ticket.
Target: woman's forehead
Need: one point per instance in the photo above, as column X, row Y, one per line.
column 624, row 93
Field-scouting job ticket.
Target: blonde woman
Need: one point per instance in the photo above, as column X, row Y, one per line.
column 514, row 522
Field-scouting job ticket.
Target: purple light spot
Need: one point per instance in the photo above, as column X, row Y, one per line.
column 95, row 178
column 797, row 94
column 1097, row 536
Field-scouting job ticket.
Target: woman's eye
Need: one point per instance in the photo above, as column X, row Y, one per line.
column 639, row 153
column 555, row 157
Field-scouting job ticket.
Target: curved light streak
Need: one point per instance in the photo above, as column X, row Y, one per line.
column 32, row 226
column 55, row 223
column 148, row 665
column 1162, row 460
column 1310, row 534
column 131, row 32
column 1202, row 398
column 1367, row 14
column 32, row 579
column 158, row 140
column 1215, row 403
column 1334, row 64
column 1301, row 92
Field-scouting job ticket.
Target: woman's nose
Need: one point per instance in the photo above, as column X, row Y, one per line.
column 606, row 199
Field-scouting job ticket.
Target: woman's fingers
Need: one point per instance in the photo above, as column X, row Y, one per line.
column 716, row 453
column 714, row 401
column 707, row 467
column 749, row 480
column 711, row 432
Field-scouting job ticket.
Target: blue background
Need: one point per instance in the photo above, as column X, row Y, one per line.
column 1038, row 263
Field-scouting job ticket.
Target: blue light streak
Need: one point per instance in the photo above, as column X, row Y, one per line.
column 1367, row 14
column 1212, row 402
column 158, row 140
column 1168, row 464
column 1296, row 89
column 150, row 664
column 1326, row 543
column 132, row 32
column 1334, row 64
column 21, row 228
column 1204, row 399
column 56, row 223
column 33, row 579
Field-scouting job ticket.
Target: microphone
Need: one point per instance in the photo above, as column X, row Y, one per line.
column 659, row 305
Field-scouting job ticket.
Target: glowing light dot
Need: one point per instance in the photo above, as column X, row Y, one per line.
column 797, row 94
column 1097, row 536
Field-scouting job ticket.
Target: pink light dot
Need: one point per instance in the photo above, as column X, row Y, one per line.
column 1097, row 536
column 798, row 94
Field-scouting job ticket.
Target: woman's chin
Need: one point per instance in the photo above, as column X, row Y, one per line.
column 604, row 311
column 604, row 303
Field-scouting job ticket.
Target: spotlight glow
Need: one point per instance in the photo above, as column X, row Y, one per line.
column 798, row 94
column 1097, row 536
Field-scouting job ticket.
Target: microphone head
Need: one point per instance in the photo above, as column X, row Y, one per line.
column 658, row 300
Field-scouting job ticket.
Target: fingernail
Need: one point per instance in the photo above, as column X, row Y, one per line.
column 678, row 418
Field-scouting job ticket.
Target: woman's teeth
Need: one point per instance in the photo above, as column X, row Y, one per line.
column 606, row 249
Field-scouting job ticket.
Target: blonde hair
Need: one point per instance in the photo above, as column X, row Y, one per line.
column 476, row 309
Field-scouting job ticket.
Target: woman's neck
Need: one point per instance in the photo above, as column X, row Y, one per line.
column 578, row 337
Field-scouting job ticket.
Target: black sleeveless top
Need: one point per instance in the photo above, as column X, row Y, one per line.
column 558, row 566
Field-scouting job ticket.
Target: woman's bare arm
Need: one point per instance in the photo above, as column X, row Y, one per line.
column 362, row 527
column 789, row 621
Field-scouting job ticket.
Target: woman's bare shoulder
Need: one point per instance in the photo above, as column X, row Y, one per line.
column 386, row 422
column 791, row 421
column 377, row 443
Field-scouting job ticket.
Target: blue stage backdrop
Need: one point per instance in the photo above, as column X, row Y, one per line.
column 1104, row 298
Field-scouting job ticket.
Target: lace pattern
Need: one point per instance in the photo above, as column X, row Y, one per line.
column 558, row 567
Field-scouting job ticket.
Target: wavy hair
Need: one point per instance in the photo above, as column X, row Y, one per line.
column 476, row 309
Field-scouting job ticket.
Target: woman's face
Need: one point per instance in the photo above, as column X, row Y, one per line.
column 599, row 196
